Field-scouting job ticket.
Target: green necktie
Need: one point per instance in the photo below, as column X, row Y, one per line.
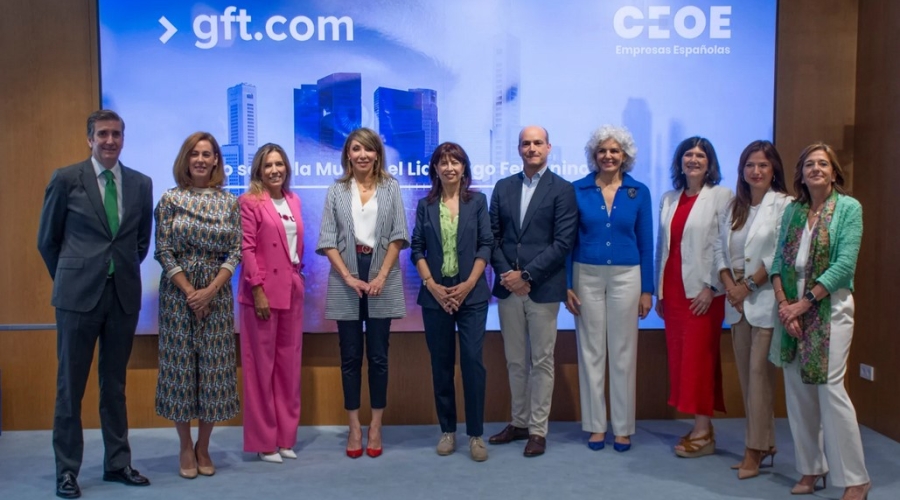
column 111, row 205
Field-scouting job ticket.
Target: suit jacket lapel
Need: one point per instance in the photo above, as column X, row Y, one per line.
column 540, row 192
column 272, row 213
column 89, row 181
column 131, row 196
column 465, row 214
column 515, row 197
column 434, row 214
column 761, row 215
column 294, row 204
column 345, row 201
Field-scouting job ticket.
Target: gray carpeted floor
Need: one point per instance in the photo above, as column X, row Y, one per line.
column 410, row 469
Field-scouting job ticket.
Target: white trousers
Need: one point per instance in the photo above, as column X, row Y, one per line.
column 607, row 326
column 822, row 417
column 529, row 341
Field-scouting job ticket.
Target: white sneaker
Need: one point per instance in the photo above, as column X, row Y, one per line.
column 447, row 444
column 287, row 453
column 272, row 458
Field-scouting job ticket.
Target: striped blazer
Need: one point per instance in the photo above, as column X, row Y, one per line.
column 336, row 231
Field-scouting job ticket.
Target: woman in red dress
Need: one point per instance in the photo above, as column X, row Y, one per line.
column 691, row 300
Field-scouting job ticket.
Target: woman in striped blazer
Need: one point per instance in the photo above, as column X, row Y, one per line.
column 363, row 230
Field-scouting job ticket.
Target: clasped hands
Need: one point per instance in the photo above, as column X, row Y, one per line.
column 789, row 314
column 198, row 300
column 450, row 298
column 735, row 294
column 373, row 288
column 512, row 281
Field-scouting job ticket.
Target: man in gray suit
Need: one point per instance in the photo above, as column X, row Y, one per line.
column 94, row 233
column 534, row 218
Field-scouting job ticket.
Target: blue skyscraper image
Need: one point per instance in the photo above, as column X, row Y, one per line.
column 340, row 106
column 306, row 117
column 638, row 119
column 242, row 120
column 408, row 122
column 505, row 100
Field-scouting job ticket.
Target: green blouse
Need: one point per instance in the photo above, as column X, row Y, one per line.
column 449, row 226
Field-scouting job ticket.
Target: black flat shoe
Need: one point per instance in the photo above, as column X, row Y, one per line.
column 67, row 486
column 126, row 476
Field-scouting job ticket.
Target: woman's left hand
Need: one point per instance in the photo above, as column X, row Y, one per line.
column 644, row 305
column 376, row 286
column 793, row 311
column 701, row 302
column 736, row 294
column 200, row 299
column 458, row 293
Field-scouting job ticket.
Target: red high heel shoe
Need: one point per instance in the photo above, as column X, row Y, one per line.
column 374, row 452
column 357, row 452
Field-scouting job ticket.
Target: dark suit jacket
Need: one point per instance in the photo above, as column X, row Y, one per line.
column 76, row 243
column 544, row 240
column 473, row 241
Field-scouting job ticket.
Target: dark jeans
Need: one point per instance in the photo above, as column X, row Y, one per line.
column 77, row 333
column 351, row 335
column 441, row 337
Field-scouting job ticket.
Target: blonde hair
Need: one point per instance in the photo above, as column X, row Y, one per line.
column 370, row 140
column 257, row 188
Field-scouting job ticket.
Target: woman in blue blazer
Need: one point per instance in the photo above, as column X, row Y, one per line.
column 451, row 246
column 611, row 276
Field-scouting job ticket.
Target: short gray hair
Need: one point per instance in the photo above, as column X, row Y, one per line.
column 618, row 134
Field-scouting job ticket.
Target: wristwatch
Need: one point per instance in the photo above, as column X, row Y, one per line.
column 526, row 275
column 751, row 285
column 811, row 297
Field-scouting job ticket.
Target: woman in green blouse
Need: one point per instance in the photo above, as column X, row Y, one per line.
column 451, row 245
column 812, row 276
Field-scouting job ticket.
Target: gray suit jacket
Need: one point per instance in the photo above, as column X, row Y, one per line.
column 336, row 231
column 542, row 242
column 76, row 243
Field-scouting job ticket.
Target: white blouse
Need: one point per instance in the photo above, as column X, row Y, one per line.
column 290, row 227
column 364, row 216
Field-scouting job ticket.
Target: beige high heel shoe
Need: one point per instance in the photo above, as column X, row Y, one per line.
column 809, row 489
column 770, row 453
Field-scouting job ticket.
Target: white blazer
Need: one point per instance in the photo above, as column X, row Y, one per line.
column 698, row 252
column 759, row 250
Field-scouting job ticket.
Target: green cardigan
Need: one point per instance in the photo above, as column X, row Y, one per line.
column 844, row 233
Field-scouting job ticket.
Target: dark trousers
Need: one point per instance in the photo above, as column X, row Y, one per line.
column 352, row 334
column 76, row 335
column 440, row 334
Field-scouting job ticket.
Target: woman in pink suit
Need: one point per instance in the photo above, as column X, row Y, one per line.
column 271, row 298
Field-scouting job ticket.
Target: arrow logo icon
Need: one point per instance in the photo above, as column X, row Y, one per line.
column 170, row 29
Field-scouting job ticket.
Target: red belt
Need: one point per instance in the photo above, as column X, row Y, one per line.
column 363, row 249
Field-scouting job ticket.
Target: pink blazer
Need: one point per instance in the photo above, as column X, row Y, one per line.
column 265, row 259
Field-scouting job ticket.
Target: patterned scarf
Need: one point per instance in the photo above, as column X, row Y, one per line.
column 815, row 323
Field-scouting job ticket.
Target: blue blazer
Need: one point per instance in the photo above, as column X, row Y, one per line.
column 542, row 242
column 473, row 241
column 76, row 243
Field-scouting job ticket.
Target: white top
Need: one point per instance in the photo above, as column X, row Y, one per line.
column 290, row 227
column 739, row 241
column 101, row 182
column 802, row 258
column 529, row 186
column 364, row 216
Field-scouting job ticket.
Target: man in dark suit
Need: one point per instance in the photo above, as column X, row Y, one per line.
column 534, row 218
column 94, row 233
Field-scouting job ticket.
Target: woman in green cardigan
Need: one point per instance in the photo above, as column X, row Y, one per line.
column 813, row 281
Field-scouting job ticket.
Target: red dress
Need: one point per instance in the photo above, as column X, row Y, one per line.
column 695, row 366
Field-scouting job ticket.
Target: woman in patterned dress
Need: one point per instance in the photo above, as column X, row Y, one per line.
column 198, row 244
